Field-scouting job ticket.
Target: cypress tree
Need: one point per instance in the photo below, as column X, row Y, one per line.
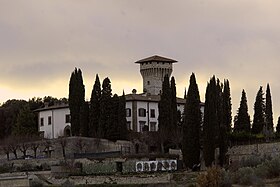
column 210, row 126
column 84, row 120
column 113, row 131
column 94, row 113
column 122, row 118
column 242, row 119
column 105, row 108
column 173, row 104
column 76, row 100
column 73, row 103
column 227, row 106
column 191, row 125
column 268, row 111
column 164, row 118
column 225, row 130
column 278, row 126
column 259, row 115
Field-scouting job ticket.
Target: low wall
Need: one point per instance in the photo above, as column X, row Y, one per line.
column 237, row 153
column 20, row 181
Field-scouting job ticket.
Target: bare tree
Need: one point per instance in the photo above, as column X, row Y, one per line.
column 24, row 144
column 48, row 144
column 34, row 146
column 63, row 142
column 5, row 148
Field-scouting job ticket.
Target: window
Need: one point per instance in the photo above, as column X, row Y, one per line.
column 42, row 122
column 148, row 82
column 49, row 120
column 128, row 124
column 128, row 112
column 142, row 125
column 142, row 112
column 153, row 115
column 153, row 126
column 67, row 118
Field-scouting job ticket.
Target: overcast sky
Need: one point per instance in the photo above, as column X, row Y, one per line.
column 42, row 41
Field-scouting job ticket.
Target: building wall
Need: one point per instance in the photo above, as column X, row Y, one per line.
column 58, row 122
column 153, row 74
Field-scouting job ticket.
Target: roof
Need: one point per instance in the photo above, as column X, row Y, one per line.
column 156, row 58
column 53, row 107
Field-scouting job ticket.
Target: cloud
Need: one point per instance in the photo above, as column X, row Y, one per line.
column 43, row 41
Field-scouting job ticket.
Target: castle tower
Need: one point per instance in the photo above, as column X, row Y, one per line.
column 153, row 69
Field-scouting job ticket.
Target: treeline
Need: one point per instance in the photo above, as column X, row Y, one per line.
column 103, row 117
column 17, row 117
column 201, row 135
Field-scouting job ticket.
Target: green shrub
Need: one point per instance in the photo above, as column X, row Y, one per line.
column 244, row 176
column 6, row 168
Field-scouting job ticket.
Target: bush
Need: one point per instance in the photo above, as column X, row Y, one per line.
column 211, row 178
column 5, row 168
column 252, row 161
column 244, row 176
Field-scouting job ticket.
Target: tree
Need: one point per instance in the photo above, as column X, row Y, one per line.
column 225, row 122
column 259, row 114
column 84, row 118
column 94, row 111
column 122, row 118
column 242, row 119
column 191, row 125
column 113, row 132
column 76, row 100
column 210, row 126
column 164, row 118
column 25, row 124
column 105, row 107
column 268, row 111
column 278, row 126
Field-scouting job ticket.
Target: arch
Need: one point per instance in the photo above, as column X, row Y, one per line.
column 67, row 131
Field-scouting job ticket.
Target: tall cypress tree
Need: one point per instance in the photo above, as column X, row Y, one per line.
column 191, row 125
column 268, row 110
column 164, row 118
column 122, row 118
column 210, row 126
column 227, row 106
column 259, row 114
column 242, row 119
column 278, row 126
column 173, row 103
column 84, row 120
column 224, row 111
column 76, row 100
column 113, row 131
column 105, row 108
column 94, row 113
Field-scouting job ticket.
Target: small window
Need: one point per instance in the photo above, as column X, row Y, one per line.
column 128, row 112
column 67, row 118
column 142, row 112
column 148, row 82
column 49, row 120
column 128, row 124
column 42, row 122
column 153, row 115
column 153, row 126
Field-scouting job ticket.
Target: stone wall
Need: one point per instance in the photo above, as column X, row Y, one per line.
column 237, row 153
column 75, row 145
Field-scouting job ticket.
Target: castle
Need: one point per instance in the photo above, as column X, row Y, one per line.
column 141, row 109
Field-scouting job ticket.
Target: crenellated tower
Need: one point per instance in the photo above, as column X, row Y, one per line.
column 153, row 69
